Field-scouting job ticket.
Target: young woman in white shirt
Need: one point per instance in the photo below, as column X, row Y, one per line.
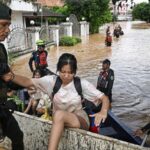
column 67, row 105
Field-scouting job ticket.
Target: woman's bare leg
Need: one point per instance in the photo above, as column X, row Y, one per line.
column 61, row 119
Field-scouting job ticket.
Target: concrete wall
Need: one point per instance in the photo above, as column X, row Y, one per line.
column 17, row 20
column 36, row 133
column 19, row 5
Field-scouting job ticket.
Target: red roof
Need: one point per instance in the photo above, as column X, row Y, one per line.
column 51, row 3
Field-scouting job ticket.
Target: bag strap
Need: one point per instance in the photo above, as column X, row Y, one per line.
column 57, row 86
column 1, row 133
column 77, row 83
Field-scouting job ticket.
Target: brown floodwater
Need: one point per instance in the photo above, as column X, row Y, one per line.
column 130, row 58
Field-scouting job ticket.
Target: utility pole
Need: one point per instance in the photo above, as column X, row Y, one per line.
column 41, row 10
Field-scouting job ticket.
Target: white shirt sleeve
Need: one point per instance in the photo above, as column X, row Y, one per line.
column 45, row 84
column 90, row 92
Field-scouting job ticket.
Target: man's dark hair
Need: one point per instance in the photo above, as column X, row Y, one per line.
column 107, row 61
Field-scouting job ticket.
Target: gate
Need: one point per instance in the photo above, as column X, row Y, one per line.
column 46, row 34
column 76, row 25
column 19, row 39
column 62, row 31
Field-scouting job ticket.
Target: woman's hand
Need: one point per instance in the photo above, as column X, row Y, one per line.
column 138, row 132
column 99, row 117
column 102, row 115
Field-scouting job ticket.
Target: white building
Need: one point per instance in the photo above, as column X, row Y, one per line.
column 18, row 8
column 140, row 1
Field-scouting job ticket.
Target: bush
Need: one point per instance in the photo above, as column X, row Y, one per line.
column 69, row 41
column 142, row 11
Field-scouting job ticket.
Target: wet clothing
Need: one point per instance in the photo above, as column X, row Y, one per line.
column 105, row 82
column 107, row 31
column 9, row 124
column 108, row 40
column 120, row 30
column 116, row 33
column 67, row 98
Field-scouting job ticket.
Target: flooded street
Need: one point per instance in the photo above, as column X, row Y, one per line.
column 130, row 58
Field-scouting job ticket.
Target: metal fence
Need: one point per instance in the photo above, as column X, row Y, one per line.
column 46, row 33
column 19, row 39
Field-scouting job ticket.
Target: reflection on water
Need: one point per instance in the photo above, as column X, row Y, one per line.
column 130, row 60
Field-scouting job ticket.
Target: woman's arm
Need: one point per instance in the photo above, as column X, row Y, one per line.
column 20, row 80
column 92, row 94
column 102, row 115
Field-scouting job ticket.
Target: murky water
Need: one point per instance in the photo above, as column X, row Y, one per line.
column 130, row 57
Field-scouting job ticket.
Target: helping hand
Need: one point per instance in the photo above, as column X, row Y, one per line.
column 138, row 132
column 99, row 117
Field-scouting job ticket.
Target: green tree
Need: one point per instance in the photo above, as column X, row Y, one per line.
column 142, row 11
column 94, row 11
column 62, row 10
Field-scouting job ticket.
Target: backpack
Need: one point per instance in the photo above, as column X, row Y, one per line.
column 88, row 106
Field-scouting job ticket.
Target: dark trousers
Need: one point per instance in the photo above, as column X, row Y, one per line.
column 11, row 128
column 45, row 71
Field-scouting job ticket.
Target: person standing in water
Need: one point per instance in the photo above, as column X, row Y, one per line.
column 106, row 79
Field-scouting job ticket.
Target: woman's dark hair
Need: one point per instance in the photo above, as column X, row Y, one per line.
column 67, row 59
column 36, row 71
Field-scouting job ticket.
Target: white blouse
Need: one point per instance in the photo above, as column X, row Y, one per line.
column 67, row 98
